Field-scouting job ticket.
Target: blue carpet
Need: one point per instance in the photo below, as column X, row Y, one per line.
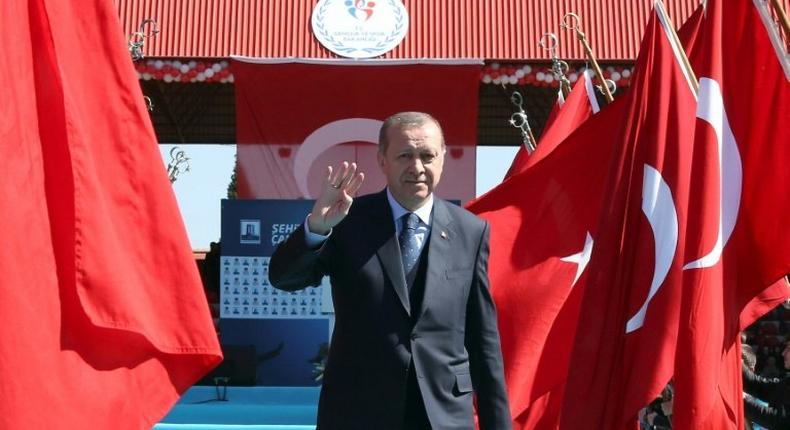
column 247, row 408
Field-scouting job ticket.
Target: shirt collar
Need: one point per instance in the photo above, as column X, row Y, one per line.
column 424, row 212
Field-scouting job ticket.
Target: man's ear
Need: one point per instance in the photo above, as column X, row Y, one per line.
column 380, row 158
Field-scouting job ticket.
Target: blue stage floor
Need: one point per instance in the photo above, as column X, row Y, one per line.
column 247, row 408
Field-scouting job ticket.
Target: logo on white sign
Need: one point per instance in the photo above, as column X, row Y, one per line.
column 360, row 28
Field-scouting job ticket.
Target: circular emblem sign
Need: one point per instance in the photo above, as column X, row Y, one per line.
column 360, row 28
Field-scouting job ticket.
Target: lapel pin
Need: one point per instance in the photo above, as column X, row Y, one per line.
column 443, row 234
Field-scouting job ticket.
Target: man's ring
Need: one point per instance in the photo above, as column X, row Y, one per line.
column 337, row 187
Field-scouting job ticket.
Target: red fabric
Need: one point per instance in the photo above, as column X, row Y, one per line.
column 616, row 368
column 104, row 318
column 745, row 281
column 696, row 313
column 563, row 120
column 538, row 217
column 285, row 112
column 537, row 305
column 559, row 200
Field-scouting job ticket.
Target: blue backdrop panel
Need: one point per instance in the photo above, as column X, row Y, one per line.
column 278, row 346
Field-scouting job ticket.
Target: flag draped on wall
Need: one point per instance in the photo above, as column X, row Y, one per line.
column 105, row 321
column 295, row 118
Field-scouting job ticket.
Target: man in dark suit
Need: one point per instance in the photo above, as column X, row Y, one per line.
column 415, row 333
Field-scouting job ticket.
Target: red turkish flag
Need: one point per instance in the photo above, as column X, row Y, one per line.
column 543, row 222
column 738, row 248
column 541, row 239
column 624, row 349
column 537, row 310
column 295, row 117
column 104, row 317
column 565, row 117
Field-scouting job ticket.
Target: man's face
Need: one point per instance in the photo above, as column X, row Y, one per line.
column 786, row 355
column 413, row 162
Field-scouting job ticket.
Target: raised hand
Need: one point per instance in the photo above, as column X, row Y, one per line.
column 337, row 194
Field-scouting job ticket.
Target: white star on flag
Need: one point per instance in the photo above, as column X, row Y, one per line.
column 581, row 258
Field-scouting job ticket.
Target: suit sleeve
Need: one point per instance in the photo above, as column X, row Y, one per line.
column 756, row 385
column 764, row 414
column 485, row 354
column 295, row 266
column 770, row 415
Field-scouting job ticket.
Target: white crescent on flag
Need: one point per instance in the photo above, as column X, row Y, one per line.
column 710, row 109
column 659, row 208
column 327, row 136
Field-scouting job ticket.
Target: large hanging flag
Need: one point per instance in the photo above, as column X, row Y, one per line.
column 738, row 243
column 105, row 321
column 295, row 117
column 565, row 117
column 624, row 349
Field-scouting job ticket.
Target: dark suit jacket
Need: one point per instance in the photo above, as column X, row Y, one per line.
column 775, row 391
column 452, row 339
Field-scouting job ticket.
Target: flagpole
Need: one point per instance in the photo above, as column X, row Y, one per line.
column 574, row 26
column 782, row 17
column 519, row 120
column 666, row 22
column 549, row 43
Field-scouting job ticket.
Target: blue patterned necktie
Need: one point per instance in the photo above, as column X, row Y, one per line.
column 409, row 249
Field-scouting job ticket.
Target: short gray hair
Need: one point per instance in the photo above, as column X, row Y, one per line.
column 406, row 119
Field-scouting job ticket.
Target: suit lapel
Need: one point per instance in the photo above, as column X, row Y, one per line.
column 389, row 253
column 439, row 251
